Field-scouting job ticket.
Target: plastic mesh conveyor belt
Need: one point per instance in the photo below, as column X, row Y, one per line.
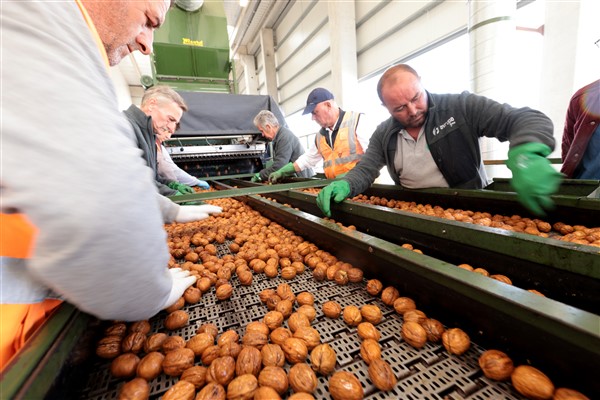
column 428, row 373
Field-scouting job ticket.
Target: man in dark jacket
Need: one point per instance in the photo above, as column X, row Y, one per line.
column 581, row 136
column 432, row 140
column 160, row 110
column 286, row 146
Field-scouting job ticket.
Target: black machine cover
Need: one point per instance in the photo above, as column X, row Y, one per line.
column 224, row 114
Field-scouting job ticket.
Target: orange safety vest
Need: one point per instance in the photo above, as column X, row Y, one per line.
column 347, row 150
column 18, row 322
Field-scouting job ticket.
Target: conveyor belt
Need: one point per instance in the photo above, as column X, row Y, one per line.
column 429, row 373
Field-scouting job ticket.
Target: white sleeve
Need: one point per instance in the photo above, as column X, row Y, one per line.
column 165, row 169
column 180, row 175
column 70, row 166
column 310, row 158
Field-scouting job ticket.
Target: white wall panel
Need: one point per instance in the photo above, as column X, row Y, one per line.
column 364, row 8
column 303, row 28
column 443, row 20
column 305, row 57
column 304, row 82
column 297, row 102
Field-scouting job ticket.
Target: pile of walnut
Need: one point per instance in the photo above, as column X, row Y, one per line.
column 227, row 366
column 575, row 234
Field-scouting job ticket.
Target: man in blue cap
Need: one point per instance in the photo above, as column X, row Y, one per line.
column 339, row 143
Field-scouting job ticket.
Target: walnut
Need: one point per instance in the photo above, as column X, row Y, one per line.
column 124, row 366
column 323, row 359
column 265, row 294
column 249, row 361
column 371, row 313
column 221, row 370
column 568, row 394
column 140, row 326
column 481, row 271
column 382, row 375
column 496, row 365
column 308, row 311
column 414, row 334
column 299, row 267
column 319, row 274
column 182, row 390
column 302, row 378
column 118, row 329
column 258, row 326
column 273, row 320
column 109, row 347
column 210, row 329
column 200, row 342
column 355, row 275
column 301, row 396
column 536, row 292
column 288, row 273
column 434, row 329
column 150, row 366
column 274, row 377
column 271, row 271
column 532, row 383
column 502, row 278
column 212, row 353
column 177, row 361
column 331, row 271
column 295, row 350
column 242, row 388
column 456, row 341
column 367, row 330
column 310, row 336
column 136, row 389
column 192, row 295
column 279, row 335
column 178, row 305
column 340, row 277
column 272, row 355
column 374, row 286
column 352, row 315
column 228, row 336
column 297, row 320
column 255, row 338
column 154, row 342
column 245, row 278
column 285, row 307
column 229, row 349
column 369, row 350
column 224, row 291
column 345, row 386
column 195, row 375
column 134, row 342
column 212, row 391
column 417, row 316
column 389, row 295
column 266, row 393
column 272, row 302
column 331, row 309
column 285, row 292
column 173, row 343
column 404, row 304
column 204, row 284
column 176, row 319
column 305, row 298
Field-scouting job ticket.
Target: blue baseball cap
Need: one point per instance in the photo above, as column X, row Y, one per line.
column 315, row 97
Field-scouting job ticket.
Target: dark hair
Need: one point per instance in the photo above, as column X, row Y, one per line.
column 390, row 73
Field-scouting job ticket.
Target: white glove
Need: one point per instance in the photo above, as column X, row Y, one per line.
column 181, row 280
column 195, row 213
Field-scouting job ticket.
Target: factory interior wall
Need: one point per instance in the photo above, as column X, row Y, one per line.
column 391, row 32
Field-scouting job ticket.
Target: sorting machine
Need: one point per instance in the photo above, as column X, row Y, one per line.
column 559, row 333
column 217, row 137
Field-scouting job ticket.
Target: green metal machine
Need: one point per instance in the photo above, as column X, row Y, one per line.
column 191, row 50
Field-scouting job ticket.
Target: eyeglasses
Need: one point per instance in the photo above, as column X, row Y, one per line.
column 597, row 43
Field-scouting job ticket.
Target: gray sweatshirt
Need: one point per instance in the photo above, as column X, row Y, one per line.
column 69, row 165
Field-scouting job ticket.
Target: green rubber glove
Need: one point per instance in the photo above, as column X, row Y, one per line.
column 533, row 179
column 339, row 190
column 287, row 170
column 256, row 178
column 180, row 187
